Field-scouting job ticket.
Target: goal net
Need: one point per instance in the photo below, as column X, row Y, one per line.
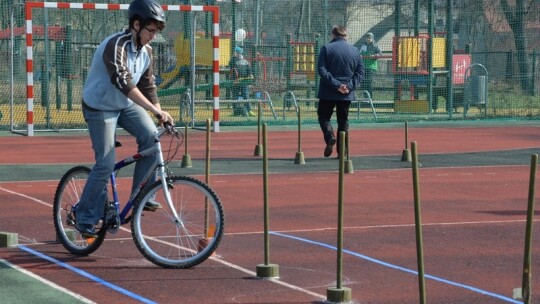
column 61, row 38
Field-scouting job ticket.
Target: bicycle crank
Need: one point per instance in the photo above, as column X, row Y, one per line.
column 112, row 218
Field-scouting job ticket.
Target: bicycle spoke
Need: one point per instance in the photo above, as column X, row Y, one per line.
column 182, row 242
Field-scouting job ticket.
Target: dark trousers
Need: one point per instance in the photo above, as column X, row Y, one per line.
column 325, row 111
column 241, row 109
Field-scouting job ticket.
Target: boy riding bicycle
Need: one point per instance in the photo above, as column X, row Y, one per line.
column 120, row 91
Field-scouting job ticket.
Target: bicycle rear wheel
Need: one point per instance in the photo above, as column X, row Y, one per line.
column 183, row 242
column 68, row 194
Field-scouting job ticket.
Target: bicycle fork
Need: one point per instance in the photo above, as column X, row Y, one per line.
column 165, row 186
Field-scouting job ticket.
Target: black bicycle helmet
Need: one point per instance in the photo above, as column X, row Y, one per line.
column 146, row 10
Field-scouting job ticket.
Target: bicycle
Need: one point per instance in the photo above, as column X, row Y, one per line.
column 182, row 234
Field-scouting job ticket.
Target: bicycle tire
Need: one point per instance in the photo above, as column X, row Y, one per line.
column 67, row 195
column 185, row 244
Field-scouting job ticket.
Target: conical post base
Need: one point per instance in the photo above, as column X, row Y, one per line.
column 186, row 161
column 299, row 158
column 349, row 166
column 406, row 155
column 268, row 271
column 338, row 295
column 258, row 150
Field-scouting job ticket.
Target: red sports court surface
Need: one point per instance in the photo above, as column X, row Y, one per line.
column 473, row 216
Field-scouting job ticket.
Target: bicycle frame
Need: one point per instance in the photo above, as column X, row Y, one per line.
column 158, row 167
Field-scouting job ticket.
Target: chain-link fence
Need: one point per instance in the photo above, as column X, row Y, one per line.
column 439, row 60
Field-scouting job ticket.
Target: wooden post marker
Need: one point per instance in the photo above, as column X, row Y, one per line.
column 266, row 270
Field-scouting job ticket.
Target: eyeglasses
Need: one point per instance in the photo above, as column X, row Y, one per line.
column 151, row 31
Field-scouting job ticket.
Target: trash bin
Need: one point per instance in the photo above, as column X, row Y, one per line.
column 478, row 94
column 476, row 82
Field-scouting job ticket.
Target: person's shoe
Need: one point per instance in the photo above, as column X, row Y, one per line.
column 86, row 230
column 152, row 205
column 329, row 147
column 250, row 113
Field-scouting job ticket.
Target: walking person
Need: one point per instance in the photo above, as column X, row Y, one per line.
column 341, row 71
column 120, row 91
column 369, row 50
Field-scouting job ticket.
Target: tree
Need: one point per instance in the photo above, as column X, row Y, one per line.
column 515, row 16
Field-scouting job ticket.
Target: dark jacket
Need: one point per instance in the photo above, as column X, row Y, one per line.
column 339, row 63
column 240, row 67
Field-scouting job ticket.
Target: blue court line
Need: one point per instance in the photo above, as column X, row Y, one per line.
column 487, row 293
column 87, row 275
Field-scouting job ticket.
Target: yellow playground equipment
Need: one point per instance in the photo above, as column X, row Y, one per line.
column 410, row 54
column 410, row 64
column 203, row 57
column 304, row 59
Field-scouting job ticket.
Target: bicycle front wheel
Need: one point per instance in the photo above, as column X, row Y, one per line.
column 68, row 194
column 183, row 241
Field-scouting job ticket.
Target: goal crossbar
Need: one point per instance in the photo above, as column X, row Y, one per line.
column 29, row 6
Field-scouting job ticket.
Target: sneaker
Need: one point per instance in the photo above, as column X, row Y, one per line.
column 329, row 147
column 250, row 113
column 152, row 205
column 86, row 230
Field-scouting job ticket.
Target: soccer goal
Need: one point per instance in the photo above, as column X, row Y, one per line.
column 60, row 42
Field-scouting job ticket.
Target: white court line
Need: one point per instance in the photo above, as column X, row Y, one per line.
column 47, row 282
column 216, row 259
column 385, row 226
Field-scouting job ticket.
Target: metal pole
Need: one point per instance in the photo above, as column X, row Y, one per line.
column 258, row 147
column 416, row 17
column 418, row 225
column 266, row 270
column 192, row 63
column 431, row 32
column 340, row 212
column 340, row 294
column 533, row 80
column 12, row 69
column 233, row 31
column 206, row 214
column 449, row 56
column 208, row 131
column 526, row 284
column 406, row 134
column 257, row 22
column 299, row 158
column 265, row 193
column 397, row 33
column 45, row 71
column 299, row 129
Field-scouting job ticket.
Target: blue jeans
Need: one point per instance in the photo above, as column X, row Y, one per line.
column 102, row 129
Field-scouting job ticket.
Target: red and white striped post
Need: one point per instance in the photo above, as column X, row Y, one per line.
column 107, row 6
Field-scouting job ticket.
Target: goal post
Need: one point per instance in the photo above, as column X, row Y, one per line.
column 63, row 33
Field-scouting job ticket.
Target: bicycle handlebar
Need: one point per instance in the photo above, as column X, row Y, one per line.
column 167, row 128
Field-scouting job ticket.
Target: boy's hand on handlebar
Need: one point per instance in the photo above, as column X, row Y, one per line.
column 164, row 118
